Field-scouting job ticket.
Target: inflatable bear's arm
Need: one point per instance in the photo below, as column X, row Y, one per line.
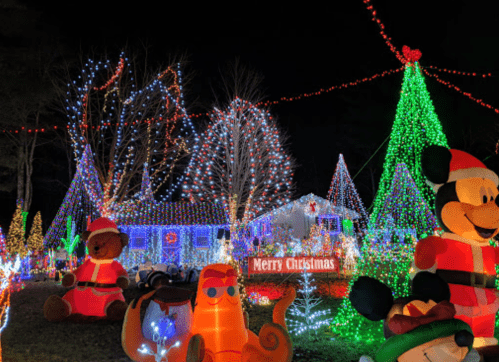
column 121, row 275
column 71, row 278
column 425, row 255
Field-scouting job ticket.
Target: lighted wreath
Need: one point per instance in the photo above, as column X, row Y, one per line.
column 171, row 237
column 312, row 209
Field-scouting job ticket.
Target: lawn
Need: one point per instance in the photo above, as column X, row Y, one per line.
column 29, row 337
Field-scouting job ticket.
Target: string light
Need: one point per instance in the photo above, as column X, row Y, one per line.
column 452, row 86
column 322, row 91
column 483, row 75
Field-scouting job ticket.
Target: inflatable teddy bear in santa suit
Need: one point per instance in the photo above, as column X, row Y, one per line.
column 467, row 208
column 100, row 280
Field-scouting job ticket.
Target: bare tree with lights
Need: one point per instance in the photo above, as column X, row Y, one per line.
column 241, row 153
column 136, row 129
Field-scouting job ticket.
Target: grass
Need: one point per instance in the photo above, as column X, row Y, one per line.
column 29, row 337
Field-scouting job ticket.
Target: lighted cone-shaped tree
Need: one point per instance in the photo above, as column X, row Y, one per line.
column 404, row 218
column 416, row 126
column 35, row 238
column 15, row 237
column 78, row 203
column 343, row 194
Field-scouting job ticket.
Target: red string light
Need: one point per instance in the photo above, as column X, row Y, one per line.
column 467, row 94
column 382, row 32
column 483, row 75
column 321, row 91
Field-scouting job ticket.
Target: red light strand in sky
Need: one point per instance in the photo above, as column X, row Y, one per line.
column 483, row 75
column 382, row 32
column 452, row 86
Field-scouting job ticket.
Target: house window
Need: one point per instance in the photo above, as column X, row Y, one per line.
column 331, row 223
column 201, row 237
column 138, row 240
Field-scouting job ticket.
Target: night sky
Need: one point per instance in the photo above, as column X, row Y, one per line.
column 300, row 49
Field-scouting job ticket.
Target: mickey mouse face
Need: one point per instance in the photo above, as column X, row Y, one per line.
column 473, row 211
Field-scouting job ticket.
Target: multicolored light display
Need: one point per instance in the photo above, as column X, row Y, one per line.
column 404, row 209
column 134, row 131
column 241, row 154
column 343, row 194
column 416, row 126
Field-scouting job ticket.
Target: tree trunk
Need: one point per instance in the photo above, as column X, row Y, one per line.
column 20, row 167
column 30, row 152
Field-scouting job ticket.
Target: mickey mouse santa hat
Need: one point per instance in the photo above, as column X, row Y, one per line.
column 463, row 166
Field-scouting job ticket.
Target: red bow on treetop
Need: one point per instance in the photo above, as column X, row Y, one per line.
column 410, row 55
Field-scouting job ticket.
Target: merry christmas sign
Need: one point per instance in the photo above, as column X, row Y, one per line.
column 293, row 264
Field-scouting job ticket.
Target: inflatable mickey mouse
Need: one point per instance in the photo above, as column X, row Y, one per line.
column 419, row 327
column 467, row 208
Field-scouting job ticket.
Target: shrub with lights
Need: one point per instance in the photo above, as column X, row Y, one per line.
column 387, row 252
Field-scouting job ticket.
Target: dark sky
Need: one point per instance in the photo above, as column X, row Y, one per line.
column 301, row 49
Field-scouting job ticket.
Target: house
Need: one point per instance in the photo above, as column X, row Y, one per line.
column 295, row 219
column 182, row 233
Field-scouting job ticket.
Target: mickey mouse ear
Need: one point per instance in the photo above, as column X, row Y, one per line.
column 371, row 298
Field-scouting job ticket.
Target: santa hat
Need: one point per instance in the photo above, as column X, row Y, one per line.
column 102, row 225
column 464, row 166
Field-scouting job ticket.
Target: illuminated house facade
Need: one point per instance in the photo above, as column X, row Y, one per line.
column 181, row 233
column 299, row 216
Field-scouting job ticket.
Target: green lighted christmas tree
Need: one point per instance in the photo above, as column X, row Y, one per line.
column 35, row 239
column 387, row 251
column 416, row 126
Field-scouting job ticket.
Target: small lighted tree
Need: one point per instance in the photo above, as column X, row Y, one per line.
column 305, row 319
column 15, row 237
column 343, row 194
column 35, row 238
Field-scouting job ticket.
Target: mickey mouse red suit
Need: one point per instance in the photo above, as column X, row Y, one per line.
column 467, row 208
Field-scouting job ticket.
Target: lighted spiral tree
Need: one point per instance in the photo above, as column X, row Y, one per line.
column 416, row 126
column 388, row 251
column 241, row 153
column 135, row 127
column 343, row 194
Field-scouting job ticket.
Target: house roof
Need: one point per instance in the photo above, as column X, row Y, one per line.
column 177, row 213
column 322, row 206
